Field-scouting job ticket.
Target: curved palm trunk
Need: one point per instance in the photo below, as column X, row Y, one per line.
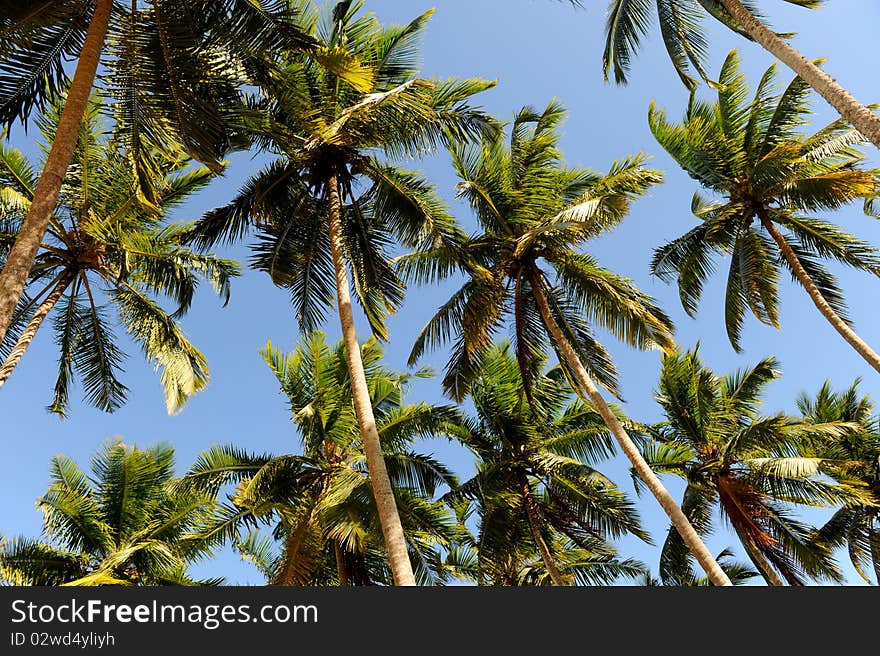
column 690, row 536
column 861, row 347
column 862, row 118
column 27, row 243
column 763, row 565
column 27, row 335
column 535, row 526
column 392, row 530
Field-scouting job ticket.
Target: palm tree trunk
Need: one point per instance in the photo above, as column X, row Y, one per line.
column 27, row 336
column 763, row 565
column 861, row 347
column 535, row 526
column 392, row 530
column 27, row 243
column 862, row 118
column 690, row 536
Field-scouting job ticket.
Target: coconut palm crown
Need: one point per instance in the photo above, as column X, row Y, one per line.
column 329, row 137
column 852, row 460
column 173, row 70
column 535, row 215
column 749, row 465
column 106, row 256
column 526, row 265
column 126, row 524
column 318, row 500
column 545, row 513
column 768, row 180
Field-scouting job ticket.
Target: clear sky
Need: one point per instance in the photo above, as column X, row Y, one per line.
column 538, row 50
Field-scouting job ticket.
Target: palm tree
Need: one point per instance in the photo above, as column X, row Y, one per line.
column 686, row 43
column 320, row 501
column 768, row 177
column 532, row 211
column 127, row 524
column 519, row 565
column 739, row 574
column 536, row 493
column 172, row 72
column 746, row 464
column 852, row 460
column 103, row 251
column 329, row 203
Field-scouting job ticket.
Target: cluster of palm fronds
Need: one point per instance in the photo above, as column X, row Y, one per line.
column 336, row 99
column 536, row 510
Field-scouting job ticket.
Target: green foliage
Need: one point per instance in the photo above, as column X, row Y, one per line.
column 172, row 75
column 680, row 21
column 126, row 524
column 748, row 152
column 535, row 214
column 739, row 574
column 114, row 255
column 323, row 127
column 750, row 466
column 538, row 455
column 334, row 95
column 320, row 503
column 853, row 461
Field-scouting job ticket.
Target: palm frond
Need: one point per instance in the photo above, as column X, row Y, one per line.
column 184, row 370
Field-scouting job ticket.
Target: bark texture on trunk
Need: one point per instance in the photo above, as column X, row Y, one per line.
column 27, row 335
column 535, row 526
column 861, row 347
column 681, row 523
column 862, row 118
column 27, row 243
column 392, row 530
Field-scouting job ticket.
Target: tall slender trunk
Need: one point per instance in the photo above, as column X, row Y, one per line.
column 535, row 526
column 27, row 243
column 690, row 536
column 862, row 118
column 27, row 335
column 763, row 565
column 861, row 347
column 392, row 530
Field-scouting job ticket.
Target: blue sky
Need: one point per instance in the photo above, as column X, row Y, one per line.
column 538, row 50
